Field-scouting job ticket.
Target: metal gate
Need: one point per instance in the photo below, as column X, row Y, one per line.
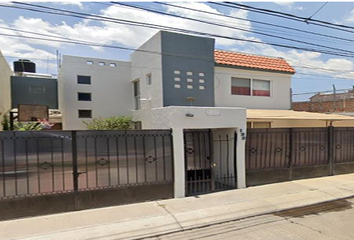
column 209, row 165
column 47, row 172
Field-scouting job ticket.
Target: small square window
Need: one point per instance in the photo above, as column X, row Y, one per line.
column 37, row 89
column 177, row 79
column 177, row 86
column 201, row 81
column 190, row 73
column 84, row 96
column 189, row 80
column 190, row 86
column 177, row 72
column 148, row 79
column 201, row 74
column 201, row 87
column 113, row 65
column 89, row 62
column 83, row 79
column 101, row 63
column 85, row 113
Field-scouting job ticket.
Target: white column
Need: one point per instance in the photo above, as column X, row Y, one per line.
column 240, row 159
column 179, row 162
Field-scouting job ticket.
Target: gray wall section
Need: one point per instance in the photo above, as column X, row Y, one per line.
column 21, row 93
column 188, row 53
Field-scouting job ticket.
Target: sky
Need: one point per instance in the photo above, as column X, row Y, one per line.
column 315, row 71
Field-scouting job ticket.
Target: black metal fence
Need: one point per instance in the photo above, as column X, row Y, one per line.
column 51, row 163
column 304, row 152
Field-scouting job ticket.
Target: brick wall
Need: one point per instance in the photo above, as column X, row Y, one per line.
column 342, row 105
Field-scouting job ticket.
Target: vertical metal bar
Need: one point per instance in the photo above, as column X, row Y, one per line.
column 164, row 158
column 227, row 155
column 199, row 151
column 144, row 153
column 52, row 162
column 118, row 175
column 235, row 157
column 126, row 155
column 3, row 167
column 330, row 143
column 211, row 145
column 74, row 160
column 155, row 152
column 195, row 163
column 96, row 167
column 220, row 155
column 62, row 162
column 15, row 163
column 136, row 161
column 109, row 162
column 38, row 173
column 291, row 142
column 186, row 167
column 86, row 164
column 27, row 166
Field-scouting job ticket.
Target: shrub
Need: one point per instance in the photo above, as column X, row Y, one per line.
column 30, row 126
column 111, row 123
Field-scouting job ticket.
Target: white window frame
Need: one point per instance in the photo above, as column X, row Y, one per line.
column 251, row 86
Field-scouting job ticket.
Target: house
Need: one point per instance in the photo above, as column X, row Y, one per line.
column 23, row 86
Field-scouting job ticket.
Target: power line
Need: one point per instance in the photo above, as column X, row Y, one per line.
column 316, row 12
column 230, row 27
column 257, row 22
column 156, row 26
column 286, row 16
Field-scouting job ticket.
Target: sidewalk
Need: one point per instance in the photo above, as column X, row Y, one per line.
column 158, row 217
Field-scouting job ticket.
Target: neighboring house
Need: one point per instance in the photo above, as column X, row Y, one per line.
column 5, row 87
column 25, row 86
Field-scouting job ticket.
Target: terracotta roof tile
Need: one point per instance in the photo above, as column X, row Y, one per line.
column 252, row 61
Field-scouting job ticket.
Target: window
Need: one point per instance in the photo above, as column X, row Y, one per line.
column 250, row 87
column 190, row 86
column 241, row 86
column 83, row 79
column 201, row 87
column 190, row 73
column 101, row 63
column 177, row 86
column 177, row 79
column 113, row 65
column 85, row 113
column 89, row 62
column 261, row 88
column 137, row 94
column 177, row 72
column 37, row 89
column 84, row 96
column 201, row 74
column 201, row 81
column 189, row 80
column 148, row 79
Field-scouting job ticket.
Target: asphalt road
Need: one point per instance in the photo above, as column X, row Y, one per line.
column 333, row 220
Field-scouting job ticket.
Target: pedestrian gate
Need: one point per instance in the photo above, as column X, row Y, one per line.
column 210, row 164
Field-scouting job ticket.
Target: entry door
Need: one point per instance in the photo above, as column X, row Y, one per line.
column 199, row 164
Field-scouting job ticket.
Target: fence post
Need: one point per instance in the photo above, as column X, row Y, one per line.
column 75, row 167
column 330, row 149
column 290, row 154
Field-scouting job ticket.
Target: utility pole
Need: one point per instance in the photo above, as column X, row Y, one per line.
column 334, row 99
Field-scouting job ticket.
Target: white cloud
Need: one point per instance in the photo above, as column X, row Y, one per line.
column 74, row 3
column 350, row 17
column 290, row 6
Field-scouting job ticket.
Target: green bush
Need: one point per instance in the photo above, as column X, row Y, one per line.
column 111, row 123
column 5, row 123
column 30, row 126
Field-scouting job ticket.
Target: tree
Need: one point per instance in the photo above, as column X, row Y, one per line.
column 30, row 126
column 111, row 123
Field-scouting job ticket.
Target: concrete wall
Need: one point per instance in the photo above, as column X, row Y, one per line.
column 193, row 58
column 280, row 89
column 307, row 123
column 340, row 105
column 5, row 87
column 22, row 91
column 229, row 120
column 148, row 61
column 111, row 89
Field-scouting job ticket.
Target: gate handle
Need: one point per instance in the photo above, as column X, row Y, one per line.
column 213, row 164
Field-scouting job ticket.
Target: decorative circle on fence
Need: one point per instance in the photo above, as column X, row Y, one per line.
column 253, row 150
column 278, row 149
column 338, row 146
column 302, row 148
column 190, row 150
column 102, row 162
column 45, row 165
column 150, row 159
